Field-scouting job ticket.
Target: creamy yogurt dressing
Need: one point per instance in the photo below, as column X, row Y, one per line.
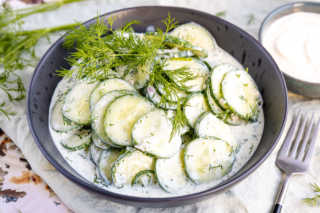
column 294, row 43
column 248, row 135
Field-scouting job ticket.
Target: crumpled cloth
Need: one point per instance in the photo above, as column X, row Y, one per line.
column 257, row 193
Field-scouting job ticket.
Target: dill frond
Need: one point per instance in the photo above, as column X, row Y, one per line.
column 100, row 48
column 7, row 112
column 17, row 47
column 221, row 14
column 251, row 19
column 312, row 201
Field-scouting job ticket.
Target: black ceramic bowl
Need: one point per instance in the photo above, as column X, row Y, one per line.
column 295, row 85
column 232, row 39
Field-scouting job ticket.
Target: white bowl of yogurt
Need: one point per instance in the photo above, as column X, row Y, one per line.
column 291, row 34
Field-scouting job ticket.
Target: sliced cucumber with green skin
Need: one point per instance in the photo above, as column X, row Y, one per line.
column 215, row 80
column 154, row 97
column 196, row 35
column 58, row 122
column 208, row 125
column 99, row 110
column 107, row 86
column 94, row 153
column 121, row 115
column 172, row 98
column 179, row 54
column 207, row 159
column 194, row 107
column 213, row 106
column 77, row 141
column 106, row 161
column 241, row 94
column 128, row 165
column 97, row 141
column 226, row 116
column 144, row 179
column 137, row 77
column 76, row 103
column 196, row 68
column 152, row 134
column 171, row 173
column 181, row 44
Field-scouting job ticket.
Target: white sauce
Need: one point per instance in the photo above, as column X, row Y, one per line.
column 248, row 135
column 294, row 43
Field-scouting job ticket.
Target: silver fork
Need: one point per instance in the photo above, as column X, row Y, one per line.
column 294, row 162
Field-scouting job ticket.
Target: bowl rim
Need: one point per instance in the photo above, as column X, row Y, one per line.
column 275, row 12
column 106, row 193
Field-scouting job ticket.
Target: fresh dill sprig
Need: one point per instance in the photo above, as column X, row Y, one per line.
column 251, row 19
column 7, row 111
column 312, row 201
column 221, row 14
column 17, row 47
column 101, row 48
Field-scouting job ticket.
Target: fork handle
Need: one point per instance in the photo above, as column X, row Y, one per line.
column 278, row 206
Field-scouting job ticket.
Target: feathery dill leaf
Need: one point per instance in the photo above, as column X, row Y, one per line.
column 17, row 47
column 99, row 48
column 221, row 14
column 251, row 19
column 7, row 111
column 312, row 201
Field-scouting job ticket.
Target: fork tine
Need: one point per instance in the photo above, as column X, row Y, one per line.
column 287, row 143
column 306, row 138
column 313, row 142
column 297, row 141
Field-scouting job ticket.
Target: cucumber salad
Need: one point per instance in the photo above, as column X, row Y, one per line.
column 120, row 132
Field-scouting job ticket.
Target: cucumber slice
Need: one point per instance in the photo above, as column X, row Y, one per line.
column 120, row 116
column 207, row 159
column 77, row 141
column 241, row 94
column 57, row 121
column 194, row 107
column 154, row 97
column 151, row 134
column 173, row 98
column 170, row 173
column 179, row 54
column 98, row 112
column 208, row 125
column 226, row 116
column 196, row 68
column 76, row 103
column 107, row 86
column 181, row 44
column 94, row 153
column 215, row 80
column 196, row 35
column 97, row 141
column 137, row 77
column 128, row 165
column 106, row 161
column 213, row 106
column 144, row 178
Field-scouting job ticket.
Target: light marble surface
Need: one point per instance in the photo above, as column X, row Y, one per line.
column 257, row 193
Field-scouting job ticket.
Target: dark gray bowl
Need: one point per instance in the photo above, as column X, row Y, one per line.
column 295, row 85
column 235, row 41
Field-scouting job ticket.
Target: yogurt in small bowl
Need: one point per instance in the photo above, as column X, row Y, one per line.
column 291, row 34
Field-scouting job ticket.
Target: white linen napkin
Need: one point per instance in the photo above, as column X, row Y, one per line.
column 257, row 193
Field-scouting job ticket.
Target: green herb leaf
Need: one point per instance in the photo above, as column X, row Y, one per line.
column 221, row 14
